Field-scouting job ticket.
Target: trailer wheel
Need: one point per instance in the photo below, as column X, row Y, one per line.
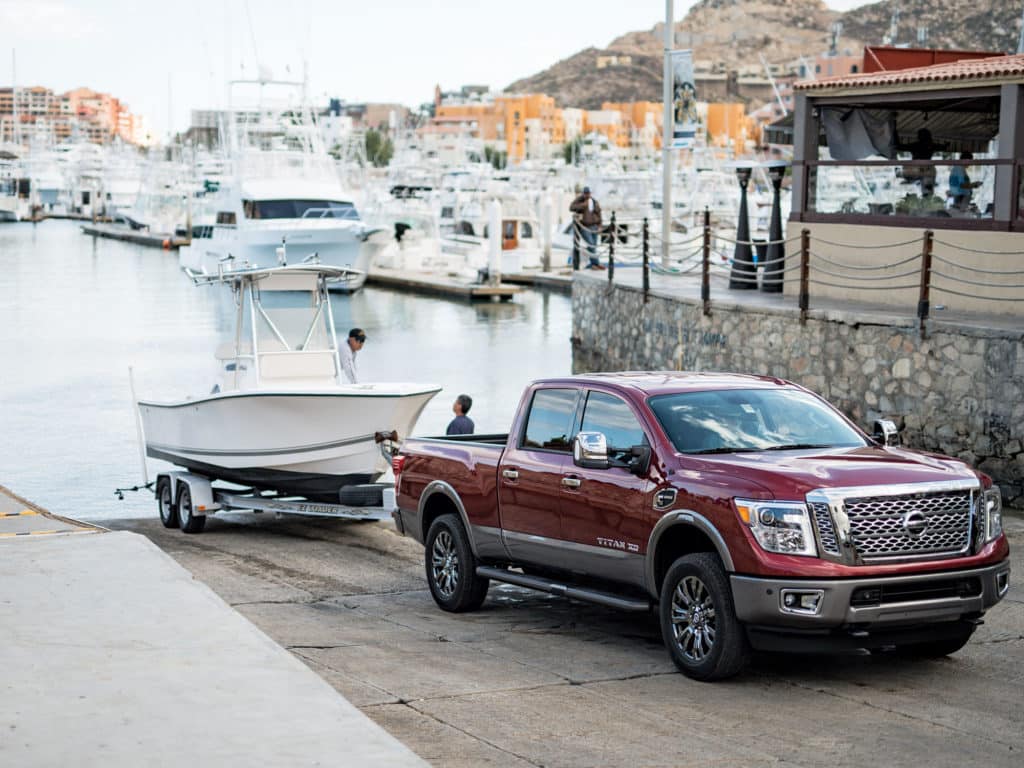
column 451, row 567
column 168, row 512
column 188, row 522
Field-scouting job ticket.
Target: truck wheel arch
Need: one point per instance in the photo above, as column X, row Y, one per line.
column 439, row 498
column 677, row 533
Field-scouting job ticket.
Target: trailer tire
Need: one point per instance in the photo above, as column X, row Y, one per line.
column 165, row 502
column 451, row 567
column 188, row 522
column 369, row 495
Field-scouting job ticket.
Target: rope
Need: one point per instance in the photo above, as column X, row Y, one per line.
column 974, row 250
column 837, row 285
column 867, row 277
column 915, row 257
column 936, row 273
column 974, row 295
column 868, row 247
column 977, row 269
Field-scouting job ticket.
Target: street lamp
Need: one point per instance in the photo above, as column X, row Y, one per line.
column 771, row 281
column 743, row 275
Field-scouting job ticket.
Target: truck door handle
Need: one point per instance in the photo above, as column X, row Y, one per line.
column 571, row 482
column 510, row 474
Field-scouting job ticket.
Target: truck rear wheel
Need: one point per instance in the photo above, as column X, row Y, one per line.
column 168, row 512
column 698, row 621
column 451, row 567
column 188, row 522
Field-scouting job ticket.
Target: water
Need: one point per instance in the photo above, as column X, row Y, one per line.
column 77, row 312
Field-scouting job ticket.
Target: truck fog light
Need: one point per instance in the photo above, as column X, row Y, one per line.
column 803, row 601
column 1003, row 583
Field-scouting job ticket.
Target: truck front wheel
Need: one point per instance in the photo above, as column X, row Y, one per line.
column 451, row 567
column 698, row 621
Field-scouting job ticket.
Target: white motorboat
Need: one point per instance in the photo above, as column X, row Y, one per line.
column 283, row 418
column 283, row 190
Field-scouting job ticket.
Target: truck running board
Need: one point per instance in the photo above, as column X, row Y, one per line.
column 564, row 590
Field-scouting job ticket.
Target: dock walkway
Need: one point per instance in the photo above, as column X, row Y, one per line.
column 114, row 655
column 137, row 236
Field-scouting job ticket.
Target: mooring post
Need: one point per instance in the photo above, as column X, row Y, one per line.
column 805, row 273
column 647, row 260
column 705, row 267
column 611, row 251
column 926, row 279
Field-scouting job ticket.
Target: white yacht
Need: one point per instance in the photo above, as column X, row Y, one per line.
column 283, row 416
column 283, row 192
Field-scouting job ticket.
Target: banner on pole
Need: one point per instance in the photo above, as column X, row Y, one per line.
column 684, row 100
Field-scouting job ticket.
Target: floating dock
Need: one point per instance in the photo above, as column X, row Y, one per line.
column 560, row 282
column 440, row 285
column 152, row 239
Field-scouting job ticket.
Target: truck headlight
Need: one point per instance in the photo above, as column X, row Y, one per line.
column 779, row 526
column 992, row 510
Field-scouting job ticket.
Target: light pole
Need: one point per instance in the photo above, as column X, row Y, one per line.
column 743, row 276
column 666, row 137
column 771, row 281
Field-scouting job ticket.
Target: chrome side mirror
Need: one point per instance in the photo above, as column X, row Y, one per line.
column 590, row 450
column 885, row 432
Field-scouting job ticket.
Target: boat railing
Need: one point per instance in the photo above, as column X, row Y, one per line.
column 331, row 213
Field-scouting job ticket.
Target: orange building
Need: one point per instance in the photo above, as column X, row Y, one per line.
column 728, row 124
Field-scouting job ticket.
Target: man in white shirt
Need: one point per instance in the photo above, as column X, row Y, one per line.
column 347, row 352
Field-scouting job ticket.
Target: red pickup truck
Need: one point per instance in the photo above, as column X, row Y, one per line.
column 749, row 510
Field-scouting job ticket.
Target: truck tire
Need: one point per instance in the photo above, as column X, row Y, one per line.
column 698, row 621
column 188, row 522
column 168, row 512
column 451, row 567
column 361, row 495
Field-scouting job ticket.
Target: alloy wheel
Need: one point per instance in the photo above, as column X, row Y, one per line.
column 693, row 619
column 444, row 562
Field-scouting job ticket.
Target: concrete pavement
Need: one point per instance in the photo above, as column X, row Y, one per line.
column 112, row 654
column 536, row 680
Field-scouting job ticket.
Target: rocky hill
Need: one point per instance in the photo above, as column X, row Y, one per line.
column 733, row 34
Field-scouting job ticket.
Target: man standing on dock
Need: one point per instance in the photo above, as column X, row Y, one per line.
column 587, row 213
column 354, row 342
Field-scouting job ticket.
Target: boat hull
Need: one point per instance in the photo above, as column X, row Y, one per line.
column 301, row 443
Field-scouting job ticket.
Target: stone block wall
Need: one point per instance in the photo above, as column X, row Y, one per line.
column 959, row 391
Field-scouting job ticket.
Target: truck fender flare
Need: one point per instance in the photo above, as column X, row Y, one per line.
column 440, row 486
column 690, row 519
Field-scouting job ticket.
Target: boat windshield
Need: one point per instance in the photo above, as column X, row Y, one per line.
column 299, row 209
column 745, row 420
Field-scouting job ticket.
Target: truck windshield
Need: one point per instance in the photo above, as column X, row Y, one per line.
column 745, row 420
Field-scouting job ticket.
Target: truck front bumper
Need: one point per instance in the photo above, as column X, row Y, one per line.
column 865, row 606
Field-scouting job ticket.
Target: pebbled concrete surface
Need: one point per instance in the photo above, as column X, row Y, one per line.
column 535, row 680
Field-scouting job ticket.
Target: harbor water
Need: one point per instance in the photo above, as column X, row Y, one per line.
column 77, row 312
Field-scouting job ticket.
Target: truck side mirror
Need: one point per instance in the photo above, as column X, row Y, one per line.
column 885, row 432
column 640, row 460
column 590, row 450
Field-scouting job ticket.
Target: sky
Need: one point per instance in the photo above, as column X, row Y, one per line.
column 165, row 58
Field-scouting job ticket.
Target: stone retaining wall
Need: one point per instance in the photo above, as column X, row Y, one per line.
column 960, row 391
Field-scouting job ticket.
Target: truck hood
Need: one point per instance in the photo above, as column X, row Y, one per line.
column 792, row 474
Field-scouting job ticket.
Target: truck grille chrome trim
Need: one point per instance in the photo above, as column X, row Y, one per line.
column 890, row 523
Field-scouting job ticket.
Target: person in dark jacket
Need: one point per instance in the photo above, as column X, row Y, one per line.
column 587, row 213
column 461, row 424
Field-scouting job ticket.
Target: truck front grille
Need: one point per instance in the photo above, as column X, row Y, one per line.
column 904, row 525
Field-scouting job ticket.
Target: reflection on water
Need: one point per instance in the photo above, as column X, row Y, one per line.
column 77, row 312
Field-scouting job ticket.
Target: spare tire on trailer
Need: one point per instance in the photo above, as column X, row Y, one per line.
column 371, row 495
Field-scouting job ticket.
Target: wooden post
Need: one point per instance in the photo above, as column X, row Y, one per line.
column 611, row 251
column 705, row 268
column 647, row 261
column 926, row 278
column 805, row 273
column 576, row 243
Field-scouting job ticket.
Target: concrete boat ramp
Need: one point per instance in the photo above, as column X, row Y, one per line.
column 112, row 654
